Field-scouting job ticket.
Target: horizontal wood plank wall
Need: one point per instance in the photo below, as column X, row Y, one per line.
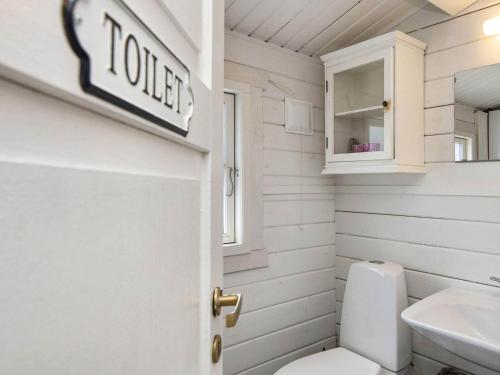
column 289, row 307
column 453, row 44
column 444, row 226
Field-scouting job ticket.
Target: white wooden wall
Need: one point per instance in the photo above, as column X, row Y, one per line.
column 289, row 306
column 443, row 227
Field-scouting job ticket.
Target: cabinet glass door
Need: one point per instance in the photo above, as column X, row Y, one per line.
column 362, row 109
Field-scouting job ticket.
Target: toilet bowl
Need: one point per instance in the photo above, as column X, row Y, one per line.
column 373, row 338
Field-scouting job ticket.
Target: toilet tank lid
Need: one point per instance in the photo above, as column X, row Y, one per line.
column 334, row 361
column 381, row 266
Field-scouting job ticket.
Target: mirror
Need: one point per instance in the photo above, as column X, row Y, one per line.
column 477, row 114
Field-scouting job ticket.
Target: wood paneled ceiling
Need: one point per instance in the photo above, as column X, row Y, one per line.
column 479, row 88
column 315, row 27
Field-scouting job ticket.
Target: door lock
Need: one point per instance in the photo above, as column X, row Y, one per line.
column 216, row 348
column 219, row 300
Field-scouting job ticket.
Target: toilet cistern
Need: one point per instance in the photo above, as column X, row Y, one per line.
column 373, row 338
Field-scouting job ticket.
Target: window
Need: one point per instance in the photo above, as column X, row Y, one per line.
column 243, row 204
column 463, row 148
column 231, row 171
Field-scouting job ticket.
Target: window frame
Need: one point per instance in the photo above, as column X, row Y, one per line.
column 468, row 145
column 231, row 174
column 249, row 199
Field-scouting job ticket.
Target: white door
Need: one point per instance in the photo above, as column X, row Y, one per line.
column 110, row 217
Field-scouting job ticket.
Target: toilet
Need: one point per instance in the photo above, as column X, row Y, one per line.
column 373, row 338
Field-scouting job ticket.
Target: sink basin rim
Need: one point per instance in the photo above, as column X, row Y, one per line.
column 408, row 315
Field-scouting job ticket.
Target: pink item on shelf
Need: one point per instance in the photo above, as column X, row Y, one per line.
column 366, row 147
column 372, row 147
column 357, row 148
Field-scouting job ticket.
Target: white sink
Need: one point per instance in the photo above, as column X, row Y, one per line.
column 464, row 321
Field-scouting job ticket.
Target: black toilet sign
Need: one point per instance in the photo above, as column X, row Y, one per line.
column 124, row 63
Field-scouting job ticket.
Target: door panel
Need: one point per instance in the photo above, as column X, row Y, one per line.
column 99, row 272
column 43, row 129
column 188, row 15
column 110, row 244
column 36, row 52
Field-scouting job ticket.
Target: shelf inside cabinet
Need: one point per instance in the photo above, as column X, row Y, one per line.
column 368, row 112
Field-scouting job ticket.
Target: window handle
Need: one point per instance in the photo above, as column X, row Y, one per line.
column 231, row 179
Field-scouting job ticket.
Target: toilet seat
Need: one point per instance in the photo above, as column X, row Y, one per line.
column 337, row 361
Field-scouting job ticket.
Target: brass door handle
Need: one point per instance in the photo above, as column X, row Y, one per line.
column 219, row 300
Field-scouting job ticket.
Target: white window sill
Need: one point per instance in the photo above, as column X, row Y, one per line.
column 236, row 248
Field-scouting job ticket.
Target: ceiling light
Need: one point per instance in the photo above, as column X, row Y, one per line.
column 492, row 26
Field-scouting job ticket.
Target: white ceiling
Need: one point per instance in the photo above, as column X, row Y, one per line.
column 479, row 88
column 452, row 7
column 315, row 27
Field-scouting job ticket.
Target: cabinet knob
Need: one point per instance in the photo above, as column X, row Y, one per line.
column 386, row 104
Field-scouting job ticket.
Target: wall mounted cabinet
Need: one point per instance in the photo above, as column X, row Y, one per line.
column 375, row 106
